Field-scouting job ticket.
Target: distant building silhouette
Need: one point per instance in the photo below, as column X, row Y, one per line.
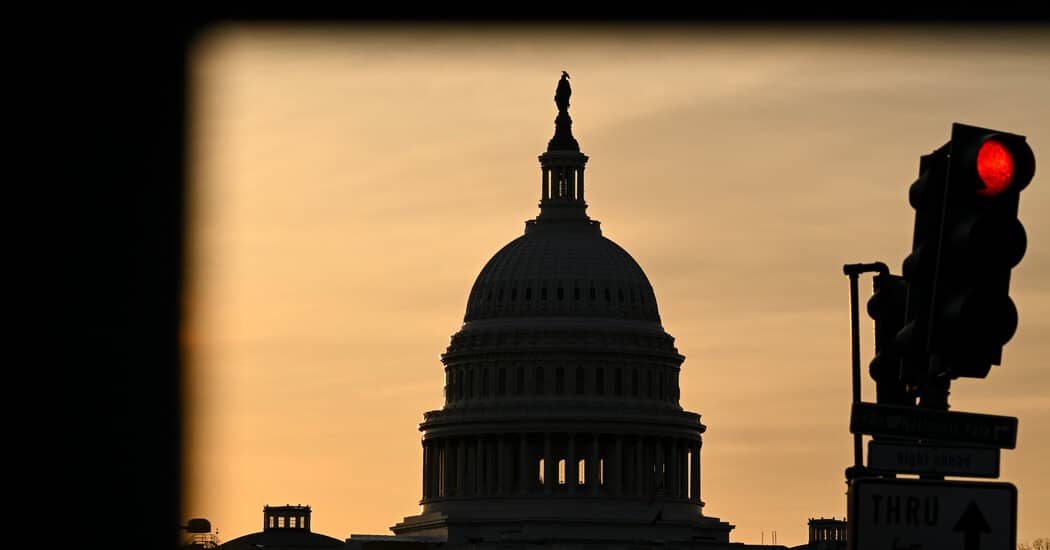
column 825, row 534
column 286, row 528
column 199, row 535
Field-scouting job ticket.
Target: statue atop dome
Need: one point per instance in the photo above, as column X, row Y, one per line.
column 561, row 96
column 563, row 139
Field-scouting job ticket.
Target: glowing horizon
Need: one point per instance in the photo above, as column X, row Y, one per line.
column 348, row 184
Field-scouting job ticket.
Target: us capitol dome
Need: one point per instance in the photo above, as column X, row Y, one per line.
column 561, row 419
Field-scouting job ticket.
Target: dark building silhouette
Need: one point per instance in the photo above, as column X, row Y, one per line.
column 561, row 419
column 825, row 534
column 285, row 528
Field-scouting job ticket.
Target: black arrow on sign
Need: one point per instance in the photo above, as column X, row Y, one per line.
column 972, row 524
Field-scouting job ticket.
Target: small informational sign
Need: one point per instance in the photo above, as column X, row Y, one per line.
column 914, row 458
column 934, row 425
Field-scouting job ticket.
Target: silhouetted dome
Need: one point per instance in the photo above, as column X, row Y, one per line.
column 562, row 269
column 283, row 540
column 561, row 419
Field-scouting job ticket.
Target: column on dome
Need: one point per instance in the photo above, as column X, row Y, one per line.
column 684, row 469
column 660, row 459
column 672, row 468
column 640, row 467
column 426, row 464
column 594, row 465
column 694, row 472
column 550, row 474
column 579, row 183
column 570, row 183
column 503, row 479
column 479, row 470
column 446, row 472
column 572, row 474
column 461, row 472
column 679, row 458
column 524, row 476
column 491, row 466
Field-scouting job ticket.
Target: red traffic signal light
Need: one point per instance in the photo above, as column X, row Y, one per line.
column 1002, row 163
column 980, row 240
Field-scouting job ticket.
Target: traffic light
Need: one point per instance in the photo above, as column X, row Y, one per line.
column 926, row 196
column 980, row 240
column 886, row 307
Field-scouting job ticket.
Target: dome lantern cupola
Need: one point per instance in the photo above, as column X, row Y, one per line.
column 563, row 164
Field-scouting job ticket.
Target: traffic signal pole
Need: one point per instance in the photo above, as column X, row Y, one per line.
column 853, row 271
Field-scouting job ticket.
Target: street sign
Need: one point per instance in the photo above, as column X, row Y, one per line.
column 915, row 458
column 914, row 514
column 934, row 425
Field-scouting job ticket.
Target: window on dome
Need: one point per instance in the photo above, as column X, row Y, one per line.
column 520, row 386
column 539, row 381
column 599, row 381
column 543, row 293
column 594, row 294
column 618, row 382
column 634, row 383
column 484, row 382
column 499, row 297
column 561, row 472
column 528, row 293
column 514, row 295
column 561, row 293
column 580, row 381
column 581, row 472
column 619, row 294
column 502, row 388
column 608, row 295
column 559, row 380
column 540, row 476
column 576, row 293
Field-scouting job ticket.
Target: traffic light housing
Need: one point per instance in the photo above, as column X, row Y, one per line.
column 926, row 196
column 971, row 315
column 893, row 386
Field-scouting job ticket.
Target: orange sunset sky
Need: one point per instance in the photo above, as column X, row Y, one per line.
column 349, row 182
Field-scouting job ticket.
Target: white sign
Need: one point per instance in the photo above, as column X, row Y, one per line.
column 913, row 514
